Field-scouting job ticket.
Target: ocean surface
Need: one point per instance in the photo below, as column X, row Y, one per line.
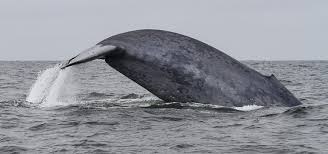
column 91, row 108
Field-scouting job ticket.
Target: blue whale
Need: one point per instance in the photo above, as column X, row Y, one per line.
column 178, row 68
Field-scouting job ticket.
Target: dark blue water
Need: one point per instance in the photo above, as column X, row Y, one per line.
column 108, row 113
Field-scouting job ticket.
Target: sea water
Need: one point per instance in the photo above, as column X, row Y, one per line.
column 91, row 108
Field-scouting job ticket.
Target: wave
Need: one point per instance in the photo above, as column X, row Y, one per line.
column 13, row 149
column 131, row 96
column 14, row 103
column 194, row 106
column 302, row 111
column 136, row 101
column 306, row 109
column 97, row 94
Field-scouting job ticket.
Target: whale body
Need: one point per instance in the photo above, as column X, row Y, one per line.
column 178, row 68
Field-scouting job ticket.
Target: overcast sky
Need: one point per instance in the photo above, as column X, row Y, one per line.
column 244, row 29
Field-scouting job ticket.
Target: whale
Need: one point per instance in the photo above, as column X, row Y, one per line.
column 178, row 68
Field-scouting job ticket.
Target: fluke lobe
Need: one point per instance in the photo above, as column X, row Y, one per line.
column 177, row 68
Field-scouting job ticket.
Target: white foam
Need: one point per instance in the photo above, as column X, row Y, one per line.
column 248, row 107
column 40, row 88
column 53, row 87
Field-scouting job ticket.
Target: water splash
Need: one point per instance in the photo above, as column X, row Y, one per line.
column 40, row 88
column 53, row 87
column 248, row 107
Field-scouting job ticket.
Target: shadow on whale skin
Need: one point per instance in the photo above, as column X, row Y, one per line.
column 177, row 68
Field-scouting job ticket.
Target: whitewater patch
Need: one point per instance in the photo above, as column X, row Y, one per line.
column 242, row 108
column 248, row 107
column 53, row 87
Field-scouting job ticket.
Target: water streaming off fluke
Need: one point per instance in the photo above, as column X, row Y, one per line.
column 53, row 87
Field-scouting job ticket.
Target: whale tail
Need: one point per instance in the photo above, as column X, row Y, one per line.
column 95, row 52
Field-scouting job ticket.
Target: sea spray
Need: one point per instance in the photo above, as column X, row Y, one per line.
column 40, row 88
column 53, row 87
column 248, row 107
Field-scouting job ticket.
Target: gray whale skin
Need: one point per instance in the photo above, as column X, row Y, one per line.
column 177, row 68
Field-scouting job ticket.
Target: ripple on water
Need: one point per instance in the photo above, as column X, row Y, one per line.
column 89, row 143
column 228, row 126
column 101, row 123
column 13, row 149
column 182, row 146
column 39, row 127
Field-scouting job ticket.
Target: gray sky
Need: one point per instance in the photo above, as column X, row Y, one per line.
column 244, row 29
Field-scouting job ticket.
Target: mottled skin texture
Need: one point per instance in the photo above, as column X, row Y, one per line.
column 177, row 68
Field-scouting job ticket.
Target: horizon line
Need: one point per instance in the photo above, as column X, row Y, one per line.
column 236, row 59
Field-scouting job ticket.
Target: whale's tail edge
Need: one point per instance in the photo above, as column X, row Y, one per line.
column 95, row 52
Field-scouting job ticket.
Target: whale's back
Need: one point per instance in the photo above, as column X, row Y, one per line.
column 178, row 68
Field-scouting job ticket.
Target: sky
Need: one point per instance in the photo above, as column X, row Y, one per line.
column 243, row 29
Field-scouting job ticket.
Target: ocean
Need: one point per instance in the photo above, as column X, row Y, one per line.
column 91, row 108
